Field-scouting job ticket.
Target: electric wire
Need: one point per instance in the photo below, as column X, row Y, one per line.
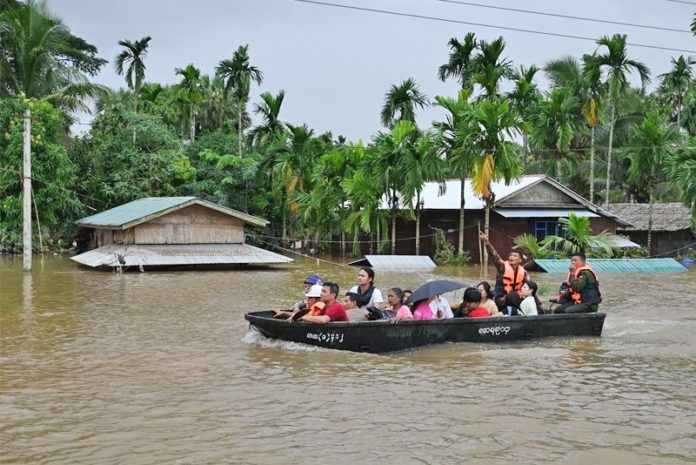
column 557, row 15
column 471, row 23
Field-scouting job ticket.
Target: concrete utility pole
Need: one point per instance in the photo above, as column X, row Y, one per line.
column 26, row 182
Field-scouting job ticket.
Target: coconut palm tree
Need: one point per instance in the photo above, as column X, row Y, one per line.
column 614, row 65
column 677, row 83
column 386, row 166
column 459, row 64
column 457, row 154
column 523, row 99
column 402, row 100
column 490, row 69
column 554, row 126
column 133, row 57
column 653, row 142
column 269, row 110
column 681, row 170
column 420, row 165
column 41, row 59
column 191, row 86
column 238, row 74
column 496, row 158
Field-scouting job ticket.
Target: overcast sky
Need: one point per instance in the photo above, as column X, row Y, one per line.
column 335, row 64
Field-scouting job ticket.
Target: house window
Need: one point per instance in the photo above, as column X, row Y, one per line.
column 545, row 228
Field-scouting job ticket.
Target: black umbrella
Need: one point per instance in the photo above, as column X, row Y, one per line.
column 431, row 288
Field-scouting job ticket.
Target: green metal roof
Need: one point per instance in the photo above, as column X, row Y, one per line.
column 616, row 265
column 142, row 210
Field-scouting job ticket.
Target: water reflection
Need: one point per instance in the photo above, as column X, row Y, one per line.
column 150, row 368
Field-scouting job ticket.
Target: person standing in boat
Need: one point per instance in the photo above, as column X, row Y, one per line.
column 511, row 274
column 333, row 310
column 367, row 295
column 583, row 286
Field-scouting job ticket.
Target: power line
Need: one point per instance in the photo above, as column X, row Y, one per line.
column 555, row 15
column 682, row 1
column 469, row 23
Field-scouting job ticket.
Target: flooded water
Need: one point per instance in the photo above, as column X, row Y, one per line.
column 161, row 368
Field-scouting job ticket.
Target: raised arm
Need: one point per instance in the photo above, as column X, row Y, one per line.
column 499, row 263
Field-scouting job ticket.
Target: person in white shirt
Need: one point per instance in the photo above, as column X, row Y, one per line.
column 367, row 295
column 441, row 308
column 528, row 307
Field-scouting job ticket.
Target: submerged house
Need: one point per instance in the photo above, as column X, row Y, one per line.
column 170, row 231
column 671, row 228
column 532, row 205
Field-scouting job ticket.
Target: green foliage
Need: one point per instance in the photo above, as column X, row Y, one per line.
column 52, row 171
column 578, row 238
column 528, row 244
column 445, row 254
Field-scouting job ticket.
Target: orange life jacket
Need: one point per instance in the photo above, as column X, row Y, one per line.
column 577, row 295
column 317, row 309
column 512, row 281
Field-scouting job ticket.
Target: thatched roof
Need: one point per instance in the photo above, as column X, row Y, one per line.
column 666, row 216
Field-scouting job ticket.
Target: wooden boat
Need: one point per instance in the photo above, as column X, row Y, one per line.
column 382, row 336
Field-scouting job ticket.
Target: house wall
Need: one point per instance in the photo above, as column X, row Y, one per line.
column 503, row 231
column 664, row 243
column 191, row 225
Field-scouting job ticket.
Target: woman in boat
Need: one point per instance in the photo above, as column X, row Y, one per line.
column 397, row 310
column 422, row 310
column 487, row 298
column 511, row 304
column 529, row 306
column 368, row 296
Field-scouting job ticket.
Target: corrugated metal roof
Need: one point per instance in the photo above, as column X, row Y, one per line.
column 171, row 255
column 616, row 265
column 541, row 213
column 398, row 262
column 142, row 210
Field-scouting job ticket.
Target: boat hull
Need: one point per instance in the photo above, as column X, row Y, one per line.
column 382, row 336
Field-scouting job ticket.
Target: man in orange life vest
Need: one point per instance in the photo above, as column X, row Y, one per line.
column 583, row 286
column 511, row 274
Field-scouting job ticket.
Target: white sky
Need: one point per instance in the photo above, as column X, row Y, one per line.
column 335, row 65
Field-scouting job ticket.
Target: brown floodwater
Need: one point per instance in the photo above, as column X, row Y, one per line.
column 162, row 368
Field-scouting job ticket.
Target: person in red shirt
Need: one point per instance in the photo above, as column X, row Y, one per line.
column 333, row 311
column 471, row 306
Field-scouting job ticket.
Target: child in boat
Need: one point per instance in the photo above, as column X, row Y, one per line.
column 530, row 303
column 397, row 310
column 511, row 304
column 471, row 305
column 311, row 303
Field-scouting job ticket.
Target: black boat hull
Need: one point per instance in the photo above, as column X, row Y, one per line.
column 382, row 336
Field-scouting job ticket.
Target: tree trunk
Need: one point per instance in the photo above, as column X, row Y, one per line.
column 192, row 122
column 486, row 230
column 525, row 149
column 418, row 218
column 26, row 194
column 611, row 142
column 239, row 127
column 343, row 245
column 393, row 232
column 462, row 201
column 650, row 222
column 284, row 233
column 592, row 164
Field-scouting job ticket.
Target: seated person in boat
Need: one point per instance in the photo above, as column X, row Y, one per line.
column 367, row 295
column 349, row 301
column 397, row 310
column 406, row 295
column 510, row 273
column 583, row 286
column 530, row 304
column 471, row 305
column 487, row 298
column 442, row 310
column 511, row 304
column 422, row 310
column 334, row 310
column 311, row 302
column 308, row 283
